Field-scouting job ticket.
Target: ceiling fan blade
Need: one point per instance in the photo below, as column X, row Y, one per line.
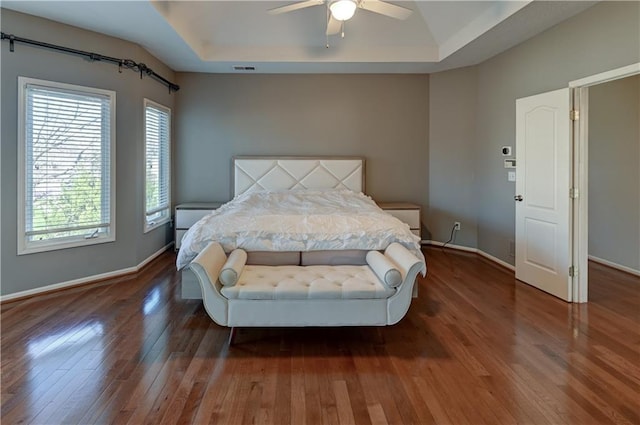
column 294, row 6
column 333, row 25
column 385, row 8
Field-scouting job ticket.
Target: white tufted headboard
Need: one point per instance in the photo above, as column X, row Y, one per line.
column 278, row 173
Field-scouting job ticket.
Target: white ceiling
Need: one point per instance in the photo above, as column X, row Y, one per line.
column 213, row 36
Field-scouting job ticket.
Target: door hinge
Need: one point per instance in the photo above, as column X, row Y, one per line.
column 574, row 115
column 574, row 193
column 573, row 271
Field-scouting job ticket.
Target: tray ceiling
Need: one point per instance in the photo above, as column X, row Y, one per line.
column 215, row 36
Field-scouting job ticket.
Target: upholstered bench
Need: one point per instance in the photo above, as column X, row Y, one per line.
column 375, row 294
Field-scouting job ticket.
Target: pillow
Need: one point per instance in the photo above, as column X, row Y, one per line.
column 233, row 267
column 384, row 269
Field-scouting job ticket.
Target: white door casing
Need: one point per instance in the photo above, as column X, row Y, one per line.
column 543, row 220
column 580, row 172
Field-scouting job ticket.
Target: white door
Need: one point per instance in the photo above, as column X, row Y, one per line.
column 543, row 143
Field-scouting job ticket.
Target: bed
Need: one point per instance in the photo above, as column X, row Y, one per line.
column 296, row 211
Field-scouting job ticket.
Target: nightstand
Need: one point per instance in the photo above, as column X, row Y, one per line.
column 188, row 214
column 405, row 212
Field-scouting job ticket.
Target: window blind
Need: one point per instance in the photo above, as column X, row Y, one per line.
column 157, row 164
column 67, row 153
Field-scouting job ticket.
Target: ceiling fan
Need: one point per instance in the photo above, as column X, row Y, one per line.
column 343, row 10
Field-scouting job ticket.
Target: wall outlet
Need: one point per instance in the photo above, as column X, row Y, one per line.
column 457, row 225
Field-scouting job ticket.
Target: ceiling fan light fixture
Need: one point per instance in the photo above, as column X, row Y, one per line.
column 343, row 10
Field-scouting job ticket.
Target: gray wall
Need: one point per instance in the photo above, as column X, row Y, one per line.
column 381, row 117
column 452, row 152
column 603, row 37
column 20, row 273
column 614, row 171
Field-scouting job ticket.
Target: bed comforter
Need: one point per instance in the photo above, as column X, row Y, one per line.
column 298, row 220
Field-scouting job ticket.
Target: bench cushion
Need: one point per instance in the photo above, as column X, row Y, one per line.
column 307, row 282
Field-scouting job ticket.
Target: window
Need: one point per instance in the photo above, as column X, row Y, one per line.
column 157, row 164
column 66, row 171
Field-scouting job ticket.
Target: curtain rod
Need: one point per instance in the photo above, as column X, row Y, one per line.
column 122, row 63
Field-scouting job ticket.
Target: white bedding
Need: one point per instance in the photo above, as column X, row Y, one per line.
column 298, row 220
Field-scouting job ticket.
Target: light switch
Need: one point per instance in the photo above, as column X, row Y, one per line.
column 511, row 176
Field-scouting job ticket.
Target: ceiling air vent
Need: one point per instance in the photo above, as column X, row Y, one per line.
column 243, row 68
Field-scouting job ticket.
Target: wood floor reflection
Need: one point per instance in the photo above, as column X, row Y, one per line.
column 476, row 347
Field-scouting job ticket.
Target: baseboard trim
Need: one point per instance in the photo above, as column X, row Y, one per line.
column 497, row 260
column 129, row 270
column 83, row 280
column 474, row 250
column 616, row 266
column 153, row 256
column 449, row 245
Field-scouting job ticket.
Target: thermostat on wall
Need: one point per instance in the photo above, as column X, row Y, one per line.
column 510, row 163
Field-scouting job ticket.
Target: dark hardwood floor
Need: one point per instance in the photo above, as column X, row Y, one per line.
column 477, row 347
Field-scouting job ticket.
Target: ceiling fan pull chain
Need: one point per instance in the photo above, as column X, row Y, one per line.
column 343, row 28
column 326, row 32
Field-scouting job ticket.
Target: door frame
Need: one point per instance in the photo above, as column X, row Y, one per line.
column 579, row 91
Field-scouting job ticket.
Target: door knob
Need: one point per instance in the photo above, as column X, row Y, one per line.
column 518, row 198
